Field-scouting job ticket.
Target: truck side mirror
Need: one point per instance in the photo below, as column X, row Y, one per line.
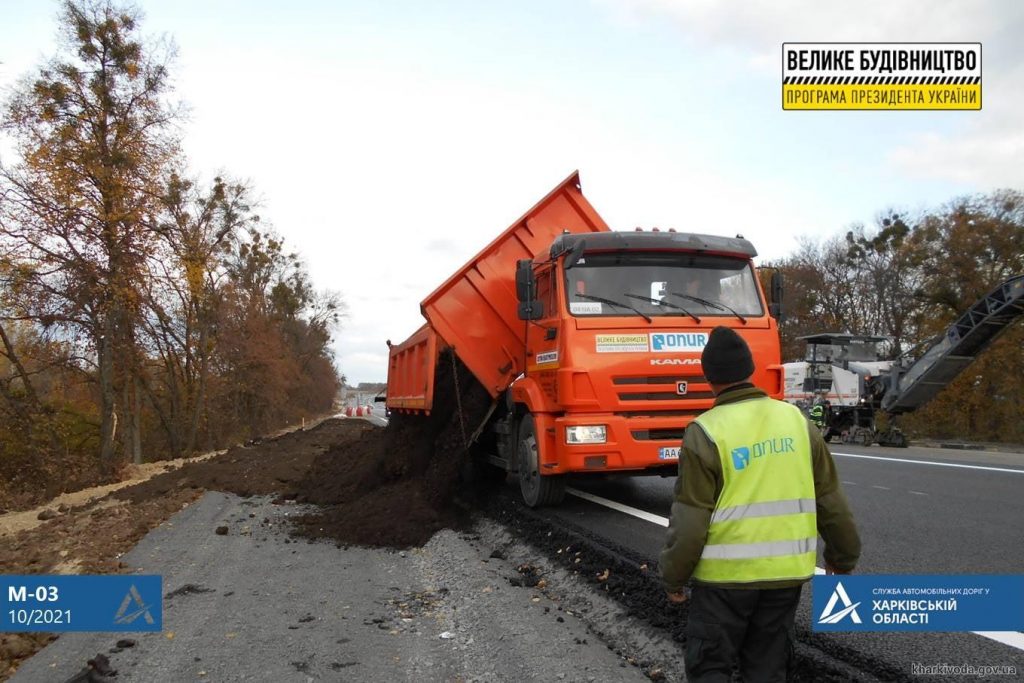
column 775, row 307
column 531, row 310
column 526, row 292
column 524, row 280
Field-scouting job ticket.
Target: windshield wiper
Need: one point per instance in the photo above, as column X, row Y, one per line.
column 661, row 302
column 715, row 304
column 602, row 300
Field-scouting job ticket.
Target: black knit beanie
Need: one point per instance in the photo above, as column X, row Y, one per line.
column 726, row 358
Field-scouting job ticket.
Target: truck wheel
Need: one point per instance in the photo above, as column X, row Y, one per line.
column 537, row 489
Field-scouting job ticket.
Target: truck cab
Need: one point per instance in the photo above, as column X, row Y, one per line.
column 615, row 326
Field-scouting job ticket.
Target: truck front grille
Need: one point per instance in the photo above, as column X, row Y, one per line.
column 664, row 396
column 662, row 379
column 659, row 413
column 667, row 434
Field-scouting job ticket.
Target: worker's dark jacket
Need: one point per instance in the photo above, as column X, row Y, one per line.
column 700, row 484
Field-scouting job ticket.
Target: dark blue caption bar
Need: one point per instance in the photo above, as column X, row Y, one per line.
column 54, row 603
column 887, row 602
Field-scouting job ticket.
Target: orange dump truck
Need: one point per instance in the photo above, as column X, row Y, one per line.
column 588, row 340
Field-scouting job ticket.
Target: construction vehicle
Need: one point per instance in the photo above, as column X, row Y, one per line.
column 847, row 373
column 587, row 340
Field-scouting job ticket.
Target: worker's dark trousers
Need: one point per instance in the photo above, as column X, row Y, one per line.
column 749, row 628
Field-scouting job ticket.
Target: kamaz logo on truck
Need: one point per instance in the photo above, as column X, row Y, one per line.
column 675, row 361
column 678, row 341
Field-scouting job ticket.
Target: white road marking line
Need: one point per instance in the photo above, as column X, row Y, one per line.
column 1014, row 639
column 884, row 488
column 932, row 462
column 850, row 483
column 919, row 493
column 619, row 507
column 1011, row 638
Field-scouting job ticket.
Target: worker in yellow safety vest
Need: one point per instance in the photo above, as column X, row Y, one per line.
column 756, row 486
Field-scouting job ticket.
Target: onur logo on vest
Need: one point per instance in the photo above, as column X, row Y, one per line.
column 742, row 456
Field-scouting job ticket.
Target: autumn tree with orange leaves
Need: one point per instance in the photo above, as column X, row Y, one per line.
column 93, row 134
column 142, row 313
column 908, row 278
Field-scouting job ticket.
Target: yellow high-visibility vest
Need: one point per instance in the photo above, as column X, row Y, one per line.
column 764, row 526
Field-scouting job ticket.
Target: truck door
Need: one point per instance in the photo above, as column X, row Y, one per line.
column 543, row 342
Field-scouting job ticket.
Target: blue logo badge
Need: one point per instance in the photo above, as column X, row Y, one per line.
column 740, row 457
column 678, row 341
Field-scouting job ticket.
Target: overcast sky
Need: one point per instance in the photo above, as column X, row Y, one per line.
column 391, row 140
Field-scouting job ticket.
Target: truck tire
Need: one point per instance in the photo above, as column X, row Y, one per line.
column 537, row 489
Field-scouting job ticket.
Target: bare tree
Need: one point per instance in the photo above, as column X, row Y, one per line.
column 197, row 228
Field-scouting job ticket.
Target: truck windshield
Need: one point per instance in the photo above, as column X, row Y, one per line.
column 704, row 285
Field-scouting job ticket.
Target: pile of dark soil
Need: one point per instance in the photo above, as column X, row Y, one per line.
column 264, row 467
column 385, row 487
column 392, row 487
column 397, row 488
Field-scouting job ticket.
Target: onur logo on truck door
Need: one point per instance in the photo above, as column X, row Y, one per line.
column 678, row 341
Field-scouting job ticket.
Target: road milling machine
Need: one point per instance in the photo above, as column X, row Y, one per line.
column 846, row 373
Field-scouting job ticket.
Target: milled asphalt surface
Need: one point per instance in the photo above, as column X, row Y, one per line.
column 914, row 518
column 261, row 607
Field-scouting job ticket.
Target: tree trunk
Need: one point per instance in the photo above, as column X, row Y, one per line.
column 137, row 422
column 108, row 403
column 199, row 398
column 30, row 391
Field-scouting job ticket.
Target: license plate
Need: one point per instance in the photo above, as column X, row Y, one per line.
column 668, row 453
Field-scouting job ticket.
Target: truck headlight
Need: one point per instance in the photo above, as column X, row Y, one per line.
column 586, row 434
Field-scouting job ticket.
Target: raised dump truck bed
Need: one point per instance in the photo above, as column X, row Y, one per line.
column 411, row 372
column 475, row 310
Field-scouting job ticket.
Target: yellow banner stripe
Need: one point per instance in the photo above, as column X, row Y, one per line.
column 877, row 97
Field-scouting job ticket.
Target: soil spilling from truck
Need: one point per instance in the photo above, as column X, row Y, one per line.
column 385, row 487
column 396, row 487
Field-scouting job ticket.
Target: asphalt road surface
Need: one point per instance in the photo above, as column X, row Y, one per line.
column 255, row 605
column 919, row 511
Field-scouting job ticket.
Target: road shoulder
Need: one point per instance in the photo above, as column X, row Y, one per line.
column 253, row 604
